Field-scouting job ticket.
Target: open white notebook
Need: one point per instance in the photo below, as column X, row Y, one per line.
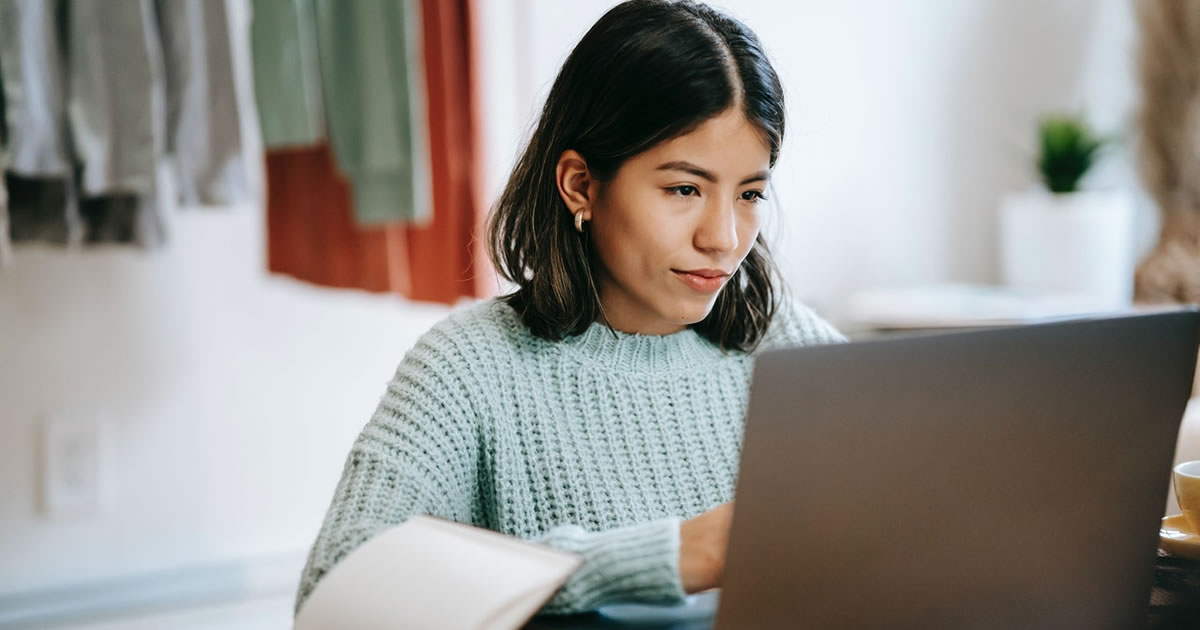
column 431, row 573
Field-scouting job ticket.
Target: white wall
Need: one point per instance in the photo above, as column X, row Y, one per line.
column 234, row 396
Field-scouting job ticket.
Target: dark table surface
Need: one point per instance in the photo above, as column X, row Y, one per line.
column 1174, row 605
column 597, row 620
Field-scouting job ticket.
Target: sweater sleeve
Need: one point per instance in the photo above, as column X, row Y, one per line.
column 639, row 563
column 417, row 455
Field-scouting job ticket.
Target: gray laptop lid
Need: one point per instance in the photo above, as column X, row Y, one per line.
column 991, row 479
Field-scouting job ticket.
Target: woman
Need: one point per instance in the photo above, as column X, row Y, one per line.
column 599, row 407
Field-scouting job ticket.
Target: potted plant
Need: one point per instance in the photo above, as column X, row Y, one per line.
column 1059, row 239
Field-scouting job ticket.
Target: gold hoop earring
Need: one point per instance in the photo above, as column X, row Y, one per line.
column 579, row 221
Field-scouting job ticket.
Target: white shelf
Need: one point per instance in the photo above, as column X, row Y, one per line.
column 968, row 306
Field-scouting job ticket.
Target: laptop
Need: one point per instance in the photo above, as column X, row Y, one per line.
column 1004, row 478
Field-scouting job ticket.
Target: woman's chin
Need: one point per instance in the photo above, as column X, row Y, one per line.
column 688, row 314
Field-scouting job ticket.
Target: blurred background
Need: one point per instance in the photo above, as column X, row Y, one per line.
column 227, row 220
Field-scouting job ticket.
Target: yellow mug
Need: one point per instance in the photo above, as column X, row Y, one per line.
column 1187, row 492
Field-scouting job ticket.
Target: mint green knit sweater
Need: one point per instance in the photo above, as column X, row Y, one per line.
column 598, row 444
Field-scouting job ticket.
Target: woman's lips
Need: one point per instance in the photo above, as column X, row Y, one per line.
column 702, row 280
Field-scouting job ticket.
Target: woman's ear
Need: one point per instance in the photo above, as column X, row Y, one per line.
column 575, row 183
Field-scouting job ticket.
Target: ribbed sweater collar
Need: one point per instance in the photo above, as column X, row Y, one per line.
column 643, row 353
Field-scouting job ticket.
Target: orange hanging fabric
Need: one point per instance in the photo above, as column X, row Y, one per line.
column 312, row 234
column 441, row 256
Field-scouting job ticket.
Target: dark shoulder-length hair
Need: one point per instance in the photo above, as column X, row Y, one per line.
column 646, row 72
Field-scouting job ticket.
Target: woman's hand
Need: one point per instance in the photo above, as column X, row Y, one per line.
column 702, row 543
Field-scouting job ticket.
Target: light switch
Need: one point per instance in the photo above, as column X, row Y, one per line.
column 74, row 467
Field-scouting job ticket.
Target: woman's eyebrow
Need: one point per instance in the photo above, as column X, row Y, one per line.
column 760, row 176
column 688, row 167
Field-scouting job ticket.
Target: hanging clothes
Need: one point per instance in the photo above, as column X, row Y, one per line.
column 287, row 75
column 94, row 101
column 32, row 67
column 204, row 136
column 38, row 162
column 311, row 231
column 370, row 73
column 42, row 210
column 150, row 78
column 115, row 99
column 313, row 226
column 446, row 248
column 5, row 243
column 117, row 113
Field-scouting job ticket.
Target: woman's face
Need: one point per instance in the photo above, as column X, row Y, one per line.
column 674, row 223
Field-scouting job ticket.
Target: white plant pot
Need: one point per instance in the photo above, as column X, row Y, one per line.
column 1076, row 243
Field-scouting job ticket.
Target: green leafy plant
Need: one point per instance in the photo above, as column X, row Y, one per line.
column 1069, row 148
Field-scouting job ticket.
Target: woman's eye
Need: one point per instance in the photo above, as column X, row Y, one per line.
column 753, row 195
column 683, row 191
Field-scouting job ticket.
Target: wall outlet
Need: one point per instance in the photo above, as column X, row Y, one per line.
column 75, row 479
